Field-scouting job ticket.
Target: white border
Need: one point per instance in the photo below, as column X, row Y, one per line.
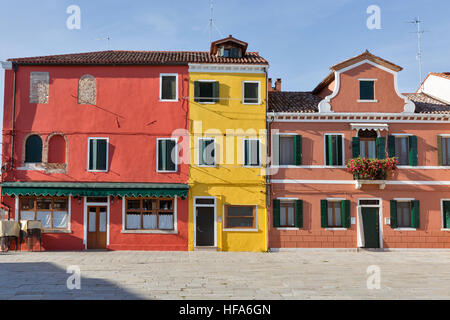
column 243, row 92
column 107, row 153
column 157, row 155
column 360, row 240
column 176, row 86
column 195, row 217
column 206, row 102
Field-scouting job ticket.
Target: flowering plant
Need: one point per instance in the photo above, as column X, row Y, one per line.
column 371, row 169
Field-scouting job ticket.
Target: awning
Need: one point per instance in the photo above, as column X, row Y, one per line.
column 95, row 189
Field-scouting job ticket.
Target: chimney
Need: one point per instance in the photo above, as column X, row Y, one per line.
column 277, row 85
column 269, row 85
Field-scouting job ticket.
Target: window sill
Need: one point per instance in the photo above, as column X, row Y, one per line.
column 166, row 171
column 56, row 231
column 32, row 166
column 335, row 167
column 206, row 102
column 97, row 170
column 367, row 101
column 445, row 229
column 239, row 230
column 405, row 229
column 287, row 228
column 149, row 231
column 206, row 166
column 253, row 167
column 252, row 103
column 336, row 229
column 167, row 100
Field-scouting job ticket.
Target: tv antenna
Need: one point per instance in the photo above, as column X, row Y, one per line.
column 419, row 33
column 211, row 23
column 106, row 38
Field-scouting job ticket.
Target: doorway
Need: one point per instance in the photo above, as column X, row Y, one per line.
column 96, row 228
column 371, row 226
column 205, row 222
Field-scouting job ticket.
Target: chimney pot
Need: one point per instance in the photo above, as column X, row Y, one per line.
column 278, row 84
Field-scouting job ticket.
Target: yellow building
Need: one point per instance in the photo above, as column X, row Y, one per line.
column 227, row 108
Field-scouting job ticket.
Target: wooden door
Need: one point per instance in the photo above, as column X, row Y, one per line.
column 371, row 227
column 205, row 226
column 96, row 220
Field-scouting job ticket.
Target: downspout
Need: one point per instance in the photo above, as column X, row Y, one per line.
column 267, row 187
column 13, row 116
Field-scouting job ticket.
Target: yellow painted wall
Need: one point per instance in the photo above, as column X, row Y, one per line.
column 229, row 181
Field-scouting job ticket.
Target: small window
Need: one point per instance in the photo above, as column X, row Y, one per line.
column 251, row 92
column 445, row 150
column 240, row 216
column 98, row 154
column 206, row 91
column 167, row 155
column 287, row 156
column 33, row 149
column 149, row 214
column 168, row 87
column 335, row 214
column 287, row 213
column 87, row 90
column 366, row 90
column 207, row 152
column 402, row 150
column 333, row 150
column 57, row 149
column 252, row 153
column 39, row 86
column 446, row 214
column 52, row 212
column 404, row 214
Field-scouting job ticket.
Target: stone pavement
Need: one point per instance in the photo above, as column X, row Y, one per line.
column 225, row 275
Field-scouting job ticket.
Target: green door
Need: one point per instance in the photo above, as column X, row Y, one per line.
column 371, row 225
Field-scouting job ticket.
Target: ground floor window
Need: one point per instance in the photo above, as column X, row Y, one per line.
column 149, row 214
column 287, row 213
column 51, row 211
column 405, row 214
column 335, row 213
column 446, row 214
column 240, row 216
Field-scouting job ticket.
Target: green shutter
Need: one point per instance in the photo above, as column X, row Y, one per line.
column 162, row 155
column 215, row 87
column 276, row 149
column 356, row 147
column 298, row 150
column 415, row 214
column 196, row 91
column 393, row 214
column 366, row 89
column 391, row 146
column 170, row 163
column 413, row 151
column 346, row 220
column 276, row 213
column 439, row 149
column 339, row 141
column 381, row 148
column 101, row 154
column 33, row 149
column 329, row 150
column 324, row 213
column 298, row 213
column 93, row 156
column 446, row 214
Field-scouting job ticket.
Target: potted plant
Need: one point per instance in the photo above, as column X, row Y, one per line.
column 371, row 169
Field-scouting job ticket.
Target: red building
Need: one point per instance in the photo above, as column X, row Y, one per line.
column 87, row 145
column 358, row 112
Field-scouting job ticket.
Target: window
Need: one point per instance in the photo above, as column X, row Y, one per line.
column 443, row 151
column 168, row 90
column 335, row 213
column 33, row 149
column 287, row 213
column 287, row 149
column 166, row 155
column 405, row 214
column 251, row 92
column 240, row 216
column 52, row 212
column 206, row 91
column 149, row 214
column 207, row 152
column 251, row 153
column 404, row 148
column 98, row 154
column 57, row 149
column 39, row 84
column 229, row 52
column 366, row 90
column 87, row 90
column 446, row 214
column 334, row 150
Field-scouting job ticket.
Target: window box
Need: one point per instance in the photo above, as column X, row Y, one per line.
column 371, row 171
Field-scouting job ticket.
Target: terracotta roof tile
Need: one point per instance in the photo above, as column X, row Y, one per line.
column 138, row 58
column 426, row 104
column 286, row 101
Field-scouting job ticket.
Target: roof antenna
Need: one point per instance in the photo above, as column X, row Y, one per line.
column 106, row 38
column 419, row 33
column 211, row 23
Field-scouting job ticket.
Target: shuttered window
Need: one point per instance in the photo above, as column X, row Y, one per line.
column 207, row 152
column 39, row 87
column 335, row 213
column 366, row 90
column 166, row 155
column 405, row 214
column 252, row 153
column 446, row 214
column 333, row 150
column 206, row 91
column 287, row 213
column 404, row 148
column 98, row 154
column 251, row 92
column 443, row 145
column 33, row 149
column 168, row 89
column 369, row 147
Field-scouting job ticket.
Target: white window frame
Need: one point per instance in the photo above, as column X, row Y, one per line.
column 410, row 200
column 325, row 150
column 161, row 75
column 442, row 215
column 243, row 92
column 259, row 156
column 285, row 134
column 367, row 79
column 157, row 155
column 199, row 151
column 443, row 135
column 206, row 102
column 107, row 153
column 288, row 200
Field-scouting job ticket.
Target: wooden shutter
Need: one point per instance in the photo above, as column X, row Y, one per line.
column 101, row 154
column 391, row 146
column 298, row 209
column 393, row 214
column 298, row 150
column 196, row 91
column 324, row 213
column 215, row 87
column 413, row 151
column 339, row 141
column 170, row 163
column 446, row 213
column 439, row 150
column 415, row 214
column 92, row 154
column 246, row 152
column 381, row 147
column 356, row 147
column 276, row 213
column 276, row 149
column 33, row 149
column 346, row 221
column 162, row 155
column 329, row 150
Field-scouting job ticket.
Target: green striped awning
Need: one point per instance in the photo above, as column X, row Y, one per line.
column 94, row 189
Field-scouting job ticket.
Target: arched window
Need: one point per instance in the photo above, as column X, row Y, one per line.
column 57, row 149
column 87, row 90
column 33, row 149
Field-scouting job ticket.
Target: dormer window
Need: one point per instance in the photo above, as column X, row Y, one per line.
column 228, row 48
column 229, row 52
column 366, row 90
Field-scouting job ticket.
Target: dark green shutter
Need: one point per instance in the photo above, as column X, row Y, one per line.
column 162, row 155
column 101, row 154
column 346, row 221
column 298, row 213
column 276, row 213
column 246, row 152
column 439, row 150
column 215, row 87
column 356, row 147
column 324, row 213
column 196, row 91
column 446, row 214
column 415, row 214
column 33, row 149
column 339, row 142
column 391, row 146
column 91, row 154
column 329, row 150
column 413, row 151
column 298, row 150
column 366, row 89
column 393, row 214
column 381, row 148
column 170, row 163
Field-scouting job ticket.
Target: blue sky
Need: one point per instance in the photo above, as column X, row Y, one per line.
column 301, row 39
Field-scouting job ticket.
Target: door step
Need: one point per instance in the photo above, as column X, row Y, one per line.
column 205, row 248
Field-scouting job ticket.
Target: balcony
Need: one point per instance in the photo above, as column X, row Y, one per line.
column 371, row 171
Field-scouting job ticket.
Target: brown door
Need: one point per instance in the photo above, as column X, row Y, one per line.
column 96, row 235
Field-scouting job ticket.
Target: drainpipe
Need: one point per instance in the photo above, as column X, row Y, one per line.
column 267, row 187
column 13, row 116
